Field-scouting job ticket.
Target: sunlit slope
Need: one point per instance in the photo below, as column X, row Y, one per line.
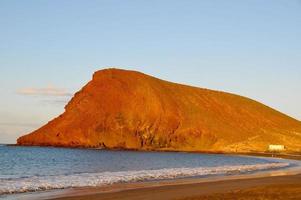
column 131, row 110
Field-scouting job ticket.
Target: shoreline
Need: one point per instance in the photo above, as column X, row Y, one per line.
column 222, row 189
column 285, row 154
column 168, row 188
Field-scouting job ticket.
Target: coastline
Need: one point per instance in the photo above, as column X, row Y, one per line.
column 287, row 180
column 278, row 187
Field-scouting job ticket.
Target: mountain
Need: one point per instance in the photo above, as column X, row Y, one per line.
column 131, row 110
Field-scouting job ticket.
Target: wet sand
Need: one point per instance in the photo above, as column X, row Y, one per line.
column 280, row 187
column 262, row 187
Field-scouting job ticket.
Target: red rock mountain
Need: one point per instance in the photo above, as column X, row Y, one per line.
column 131, row 110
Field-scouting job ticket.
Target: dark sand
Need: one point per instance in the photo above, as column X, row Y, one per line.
column 261, row 188
column 281, row 187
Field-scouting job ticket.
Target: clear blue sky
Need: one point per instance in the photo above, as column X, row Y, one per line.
column 49, row 49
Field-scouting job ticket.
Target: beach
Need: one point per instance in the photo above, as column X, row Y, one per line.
column 268, row 188
column 264, row 186
column 221, row 176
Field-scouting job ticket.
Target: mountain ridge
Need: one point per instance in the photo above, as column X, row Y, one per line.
column 131, row 110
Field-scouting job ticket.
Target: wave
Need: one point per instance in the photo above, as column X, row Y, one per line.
column 40, row 183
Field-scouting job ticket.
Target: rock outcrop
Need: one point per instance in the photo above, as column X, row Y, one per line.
column 131, row 110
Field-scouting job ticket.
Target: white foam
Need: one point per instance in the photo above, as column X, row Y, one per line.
column 106, row 178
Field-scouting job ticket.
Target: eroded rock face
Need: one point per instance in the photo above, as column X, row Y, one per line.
column 131, row 110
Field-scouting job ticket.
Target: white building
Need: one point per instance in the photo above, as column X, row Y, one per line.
column 276, row 147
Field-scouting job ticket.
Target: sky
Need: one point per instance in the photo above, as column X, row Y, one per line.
column 50, row 49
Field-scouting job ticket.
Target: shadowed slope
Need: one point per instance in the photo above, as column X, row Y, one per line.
column 131, row 110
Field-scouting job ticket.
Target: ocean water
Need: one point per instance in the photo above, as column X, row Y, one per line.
column 30, row 169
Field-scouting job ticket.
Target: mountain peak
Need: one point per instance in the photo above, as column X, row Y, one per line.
column 130, row 110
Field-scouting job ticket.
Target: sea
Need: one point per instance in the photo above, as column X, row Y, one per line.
column 34, row 169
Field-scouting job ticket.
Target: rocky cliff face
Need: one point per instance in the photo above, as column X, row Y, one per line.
column 131, row 110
